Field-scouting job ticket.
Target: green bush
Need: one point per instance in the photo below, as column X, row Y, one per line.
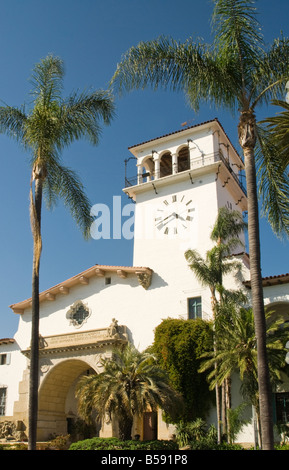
column 282, row 446
column 112, row 443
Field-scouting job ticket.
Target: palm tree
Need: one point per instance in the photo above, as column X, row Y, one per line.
column 211, row 271
column 237, row 350
column 131, row 383
column 238, row 73
column 50, row 126
column 217, row 263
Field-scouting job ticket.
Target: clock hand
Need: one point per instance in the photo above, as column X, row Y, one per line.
column 179, row 217
column 162, row 221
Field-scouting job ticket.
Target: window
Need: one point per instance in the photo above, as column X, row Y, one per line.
column 4, row 359
column 194, row 308
column 107, row 281
column 78, row 313
column 2, row 401
column 282, row 407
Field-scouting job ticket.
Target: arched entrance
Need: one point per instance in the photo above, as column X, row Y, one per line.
column 57, row 404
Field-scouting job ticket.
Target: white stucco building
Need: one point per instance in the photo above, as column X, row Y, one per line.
column 182, row 180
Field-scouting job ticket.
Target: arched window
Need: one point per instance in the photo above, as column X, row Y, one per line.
column 183, row 159
column 166, row 165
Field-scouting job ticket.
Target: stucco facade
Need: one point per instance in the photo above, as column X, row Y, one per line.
column 191, row 173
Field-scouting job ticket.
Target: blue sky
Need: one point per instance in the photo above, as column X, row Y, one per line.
column 90, row 36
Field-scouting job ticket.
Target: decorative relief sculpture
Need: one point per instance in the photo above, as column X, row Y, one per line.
column 144, row 279
column 12, row 431
column 113, row 329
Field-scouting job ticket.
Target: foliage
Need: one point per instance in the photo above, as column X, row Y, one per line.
column 112, row 443
column 237, row 350
column 52, row 125
column 188, row 431
column 197, row 436
column 13, row 446
column 236, row 421
column 130, row 384
column 59, row 443
column 278, row 127
column 179, row 345
column 281, row 447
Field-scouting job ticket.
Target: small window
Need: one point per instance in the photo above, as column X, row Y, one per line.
column 107, row 281
column 2, row 401
column 4, row 359
column 282, row 407
column 194, row 308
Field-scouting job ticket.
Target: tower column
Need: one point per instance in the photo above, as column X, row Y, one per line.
column 157, row 163
column 192, row 147
column 175, row 163
column 139, row 173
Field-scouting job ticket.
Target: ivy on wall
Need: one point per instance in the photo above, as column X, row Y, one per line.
column 178, row 345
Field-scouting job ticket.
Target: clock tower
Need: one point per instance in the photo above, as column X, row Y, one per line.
column 183, row 178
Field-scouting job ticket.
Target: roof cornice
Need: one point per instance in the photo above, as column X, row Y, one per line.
column 143, row 275
column 271, row 281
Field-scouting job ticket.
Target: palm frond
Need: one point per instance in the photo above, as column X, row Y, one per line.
column 47, row 79
column 12, row 122
column 191, row 67
column 81, row 114
column 63, row 183
column 237, row 30
column 278, row 126
column 273, row 182
column 229, row 225
column 270, row 73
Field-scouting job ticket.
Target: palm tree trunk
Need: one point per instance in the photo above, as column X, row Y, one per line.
column 224, row 411
column 35, row 208
column 217, row 388
column 247, row 137
column 228, row 406
column 125, row 428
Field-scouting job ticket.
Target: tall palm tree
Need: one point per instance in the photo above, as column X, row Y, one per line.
column 51, row 125
column 131, row 383
column 238, row 73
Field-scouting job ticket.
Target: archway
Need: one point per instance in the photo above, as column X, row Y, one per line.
column 183, row 159
column 57, row 403
column 166, row 165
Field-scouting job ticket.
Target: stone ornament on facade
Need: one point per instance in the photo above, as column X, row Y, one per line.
column 10, row 430
column 113, row 329
column 144, row 279
column 44, row 365
column 78, row 314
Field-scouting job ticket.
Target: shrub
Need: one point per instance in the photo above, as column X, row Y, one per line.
column 112, row 443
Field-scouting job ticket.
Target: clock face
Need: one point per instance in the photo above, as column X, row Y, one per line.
column 174, row 215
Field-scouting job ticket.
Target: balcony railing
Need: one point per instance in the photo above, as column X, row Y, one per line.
column 196, row 163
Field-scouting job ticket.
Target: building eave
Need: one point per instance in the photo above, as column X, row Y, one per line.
column 271, row 281
column 143, row 274
column 7, row 341
column 134, row 149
